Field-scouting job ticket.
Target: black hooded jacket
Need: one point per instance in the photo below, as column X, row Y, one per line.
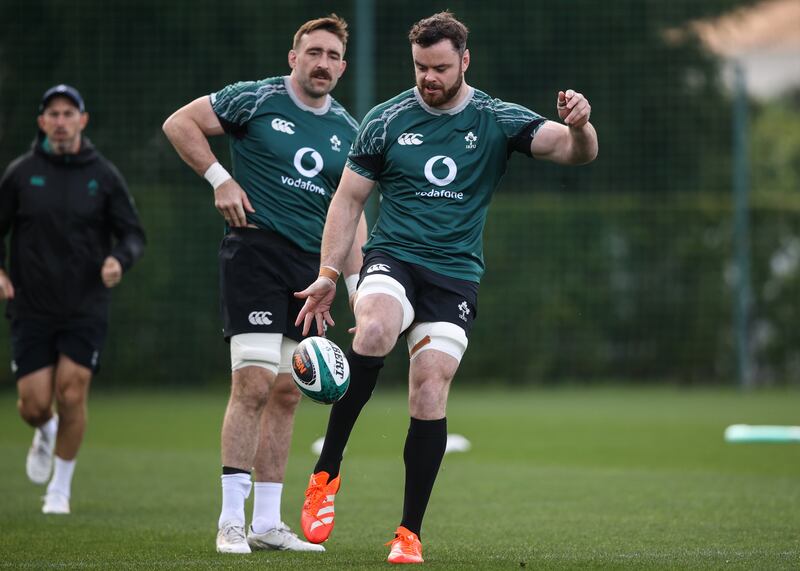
column 63, row 211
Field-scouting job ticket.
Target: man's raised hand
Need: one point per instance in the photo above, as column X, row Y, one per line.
column 573, row 108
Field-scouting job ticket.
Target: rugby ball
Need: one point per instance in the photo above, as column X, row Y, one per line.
column 320, row 370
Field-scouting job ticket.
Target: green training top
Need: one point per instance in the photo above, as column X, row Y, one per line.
column 288, row 157
column 437, row 170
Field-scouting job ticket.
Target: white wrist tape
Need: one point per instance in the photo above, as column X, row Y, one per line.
column 352, row 284
column 216, row 175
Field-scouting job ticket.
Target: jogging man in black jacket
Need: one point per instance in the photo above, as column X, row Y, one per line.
column 65, row 205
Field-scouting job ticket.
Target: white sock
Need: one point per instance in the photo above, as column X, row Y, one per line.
column 50, row 428
column 267, row 506
column 235, row 490
column 61, row 482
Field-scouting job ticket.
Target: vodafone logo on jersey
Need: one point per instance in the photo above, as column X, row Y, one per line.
column 439, row 163
column 303, row 159
column 283, row 126
column 452, row 170
column 314, row 155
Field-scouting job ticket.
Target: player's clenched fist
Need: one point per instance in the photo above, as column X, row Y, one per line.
column 111, row 272
column 573, row 108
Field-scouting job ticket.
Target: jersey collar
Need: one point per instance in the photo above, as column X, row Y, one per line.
column 293, row 96
column 453, row 111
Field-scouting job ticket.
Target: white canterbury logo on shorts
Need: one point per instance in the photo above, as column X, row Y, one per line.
column 283, row 126
column 410, row 139
column 378, row 268
column 260, row 317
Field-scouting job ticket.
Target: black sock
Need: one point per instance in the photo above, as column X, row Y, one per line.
column 423, row 455
column 363, row 377
column 228, row 470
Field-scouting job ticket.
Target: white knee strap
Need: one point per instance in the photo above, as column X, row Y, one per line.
column 386, row 285
column 440, row 335
column 256, row 350
column 287, row 350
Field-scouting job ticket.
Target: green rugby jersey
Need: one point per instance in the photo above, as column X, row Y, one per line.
column 437, row 170
column 288, row 157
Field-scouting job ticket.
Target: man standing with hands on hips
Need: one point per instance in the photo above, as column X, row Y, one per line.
column 289, row 140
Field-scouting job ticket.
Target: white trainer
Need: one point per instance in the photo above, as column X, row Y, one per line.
column 231, row 539
column 55, row 503
column 39, row 463
column 281, row 539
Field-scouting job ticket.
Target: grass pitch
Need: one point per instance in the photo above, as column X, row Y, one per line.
column 558, row 479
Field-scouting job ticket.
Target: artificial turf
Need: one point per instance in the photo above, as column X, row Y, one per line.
column 610, row 478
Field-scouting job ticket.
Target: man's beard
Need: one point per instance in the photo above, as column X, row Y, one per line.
column 442, row 98
column 316, row 92
column 64, row 146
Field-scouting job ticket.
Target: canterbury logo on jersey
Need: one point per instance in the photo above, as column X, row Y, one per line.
column 260, row 317
column 378, row 268
column 283, row 126
column 410, row 139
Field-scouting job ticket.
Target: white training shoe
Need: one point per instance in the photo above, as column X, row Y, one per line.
column 39, row 463
column 231, row 539
column 55, row 503
column 281, row 538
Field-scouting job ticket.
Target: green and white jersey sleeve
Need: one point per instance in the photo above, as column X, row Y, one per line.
column 288, row 157
column 437, row 171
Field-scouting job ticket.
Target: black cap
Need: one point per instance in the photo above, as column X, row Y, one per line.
column 62, row 90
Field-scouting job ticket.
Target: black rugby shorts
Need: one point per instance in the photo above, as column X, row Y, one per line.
column 434, row 297
column 259, row 271
column 37, row 343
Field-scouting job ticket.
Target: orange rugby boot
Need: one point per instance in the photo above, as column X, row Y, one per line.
column 317, row 516
column 406, row 547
